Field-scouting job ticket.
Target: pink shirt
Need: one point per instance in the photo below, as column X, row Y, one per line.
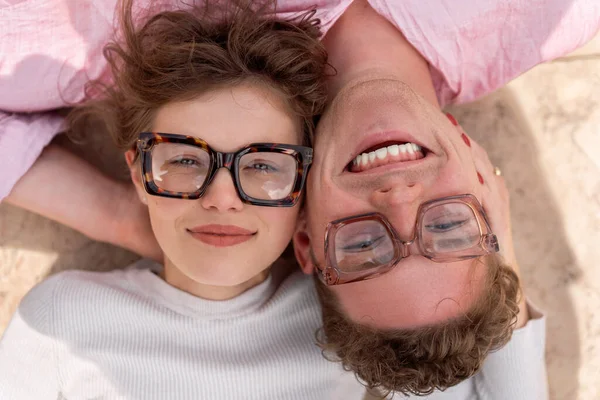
column 49, row 49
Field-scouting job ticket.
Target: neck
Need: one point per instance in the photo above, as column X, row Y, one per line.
column 362, row 44
column 176, row 278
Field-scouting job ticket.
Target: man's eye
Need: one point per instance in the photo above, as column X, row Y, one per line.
column 445, row 226
column 364, row 245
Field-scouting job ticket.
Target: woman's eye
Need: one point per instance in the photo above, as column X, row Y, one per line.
column 262, row 167
column 184, row 161
column 445, row 226
column 363, row 245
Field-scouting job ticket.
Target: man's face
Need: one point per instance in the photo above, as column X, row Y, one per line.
column 367, row 116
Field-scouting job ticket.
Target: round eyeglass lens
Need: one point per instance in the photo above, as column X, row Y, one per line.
column 449, row 228
column 267, row 175
column 179, row 167
column 363, row 245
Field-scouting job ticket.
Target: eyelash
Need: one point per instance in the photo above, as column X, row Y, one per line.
column 452, row 225
column 269, row 168
column 358, row 247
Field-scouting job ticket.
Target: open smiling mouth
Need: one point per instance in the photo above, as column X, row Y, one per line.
column 386, row 153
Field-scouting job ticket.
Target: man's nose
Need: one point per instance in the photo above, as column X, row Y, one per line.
column 394, row 196
column 221, row 194
column 399, row 203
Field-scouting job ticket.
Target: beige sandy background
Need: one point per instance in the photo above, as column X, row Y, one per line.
column 542, row 130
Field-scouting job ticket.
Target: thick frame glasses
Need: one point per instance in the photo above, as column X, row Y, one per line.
column 191, row 165
column 365, row 246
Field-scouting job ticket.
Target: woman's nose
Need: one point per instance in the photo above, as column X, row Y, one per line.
column 221, row 194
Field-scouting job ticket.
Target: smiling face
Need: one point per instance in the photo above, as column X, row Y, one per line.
column 218, row 240
column 359, row 167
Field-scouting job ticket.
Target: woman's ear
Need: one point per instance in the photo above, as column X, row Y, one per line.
column 301, row 241
column 136, row 175
column 130, row 157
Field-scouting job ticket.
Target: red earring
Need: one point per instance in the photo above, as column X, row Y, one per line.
column 480, row 178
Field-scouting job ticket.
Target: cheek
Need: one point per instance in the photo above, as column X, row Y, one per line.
column 461, row 179
column 279, row 223
column 471, row 179
column 330, row 202
column 165, row 214
column 460, row 174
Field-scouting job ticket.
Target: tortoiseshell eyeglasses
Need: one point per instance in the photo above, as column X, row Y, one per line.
column 264, row 174
column 365, row 246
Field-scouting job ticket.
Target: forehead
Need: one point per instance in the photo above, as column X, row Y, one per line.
column 230, row 117
column 430, row 293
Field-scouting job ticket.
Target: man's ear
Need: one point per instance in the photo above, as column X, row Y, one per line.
column 302, row 245
column 135, row 174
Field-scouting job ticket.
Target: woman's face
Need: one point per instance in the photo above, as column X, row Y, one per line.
column 218, row 240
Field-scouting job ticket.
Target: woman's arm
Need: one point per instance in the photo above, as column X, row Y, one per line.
column 66, row 189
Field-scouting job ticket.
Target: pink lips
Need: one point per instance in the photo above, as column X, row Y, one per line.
column 221, row 235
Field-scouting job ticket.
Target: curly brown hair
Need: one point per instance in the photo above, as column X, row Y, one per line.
column 179, row 55
column 429, row 358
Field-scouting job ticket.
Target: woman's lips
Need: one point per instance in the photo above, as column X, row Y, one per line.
column 221, row 235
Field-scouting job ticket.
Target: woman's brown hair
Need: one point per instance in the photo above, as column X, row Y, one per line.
column 178, row 55
column 419, row 361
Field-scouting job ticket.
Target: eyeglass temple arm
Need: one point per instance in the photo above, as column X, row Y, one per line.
column 307, row 156
column 490, row 243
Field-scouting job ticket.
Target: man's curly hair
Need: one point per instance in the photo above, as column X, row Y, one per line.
column 419, row 361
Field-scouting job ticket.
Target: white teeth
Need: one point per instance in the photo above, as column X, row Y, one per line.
column 381, row 153
column 364, row 159
column 393, row 150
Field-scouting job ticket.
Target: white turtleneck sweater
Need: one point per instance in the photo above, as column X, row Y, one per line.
column 127, row 334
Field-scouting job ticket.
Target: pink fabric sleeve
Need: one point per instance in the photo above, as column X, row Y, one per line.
column 328, row 11
column 49, row 50
column 475, row 47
